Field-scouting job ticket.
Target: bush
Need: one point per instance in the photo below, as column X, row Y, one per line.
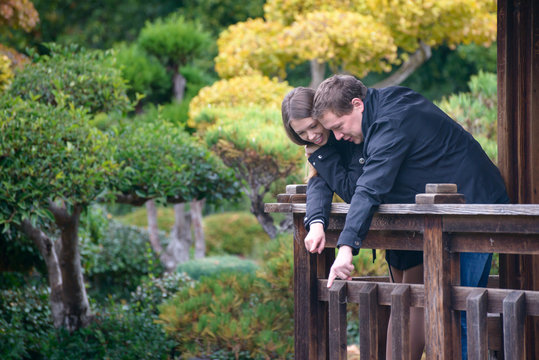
column 115, row 257
column 24, row 321
column 235, row 233
column 62, row 78
column 212, row 266
column 5, row 72
column 115, row 334
column 239, row 314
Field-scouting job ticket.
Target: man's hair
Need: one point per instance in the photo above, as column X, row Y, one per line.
column 296, row 105
column 335, row 94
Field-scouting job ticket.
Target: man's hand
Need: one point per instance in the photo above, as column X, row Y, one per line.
column 342, row 267
column 310, row 149
column 315, row 241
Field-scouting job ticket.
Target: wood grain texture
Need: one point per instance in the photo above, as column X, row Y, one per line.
column 476, row 318
column 440, row 188
column 337, row 321
column 368, row 322
column 400, row 322
column 514, row 313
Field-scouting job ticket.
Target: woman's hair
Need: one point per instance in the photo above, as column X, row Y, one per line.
column 297, row 105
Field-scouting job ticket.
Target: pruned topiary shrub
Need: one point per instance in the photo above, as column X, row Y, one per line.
column 234, row 233
column 241, row 315
column 216, row 265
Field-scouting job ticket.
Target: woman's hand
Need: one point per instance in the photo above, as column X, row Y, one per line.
column 315, row 241
column 342, row 266
column 310, row 149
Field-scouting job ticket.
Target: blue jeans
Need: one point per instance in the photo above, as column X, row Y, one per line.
column 474, row 271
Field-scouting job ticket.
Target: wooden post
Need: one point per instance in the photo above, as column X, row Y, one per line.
column 400, row 322
column 514, row 315
column 368, row 322
column 337, row 321
column 476, row 318
column 440, row 272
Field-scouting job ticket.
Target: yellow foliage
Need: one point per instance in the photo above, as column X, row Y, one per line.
column 18, row 14
column 437, row 21
column 246, row 91
column 354, row 42
column 252, row 47
column 286, row 11
column 5, row 72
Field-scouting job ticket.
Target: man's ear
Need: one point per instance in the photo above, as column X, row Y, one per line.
column 358, row 103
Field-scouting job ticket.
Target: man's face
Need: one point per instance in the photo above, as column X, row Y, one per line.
column 346, row 127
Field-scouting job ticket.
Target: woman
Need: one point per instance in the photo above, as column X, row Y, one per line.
column 338, row 171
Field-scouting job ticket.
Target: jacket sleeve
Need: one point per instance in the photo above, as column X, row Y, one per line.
column 341, row 179
column 385, row 152
column 319, row 197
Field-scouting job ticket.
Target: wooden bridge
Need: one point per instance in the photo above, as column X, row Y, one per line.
column 496, row 317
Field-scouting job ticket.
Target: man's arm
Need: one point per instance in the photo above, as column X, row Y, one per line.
column 386, row 149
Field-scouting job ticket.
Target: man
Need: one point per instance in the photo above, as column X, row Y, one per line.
column 408, row 142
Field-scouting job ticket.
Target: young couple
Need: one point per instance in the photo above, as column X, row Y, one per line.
column 376, row 146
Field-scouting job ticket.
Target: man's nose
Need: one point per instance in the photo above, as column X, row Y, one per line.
column 338, row 135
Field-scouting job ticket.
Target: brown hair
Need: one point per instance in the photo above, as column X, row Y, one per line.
column 297, row 105
column 335, row 94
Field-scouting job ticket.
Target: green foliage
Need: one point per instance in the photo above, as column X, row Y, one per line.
column 116, row 333
column 216, row 265
column 366, row 267
column 144, row 73
column 73, row 76
column 237, row 313
column 476, row 111
column 48, row 153
column 236, row 233
column 160, row 160
column 152, row 292
column 24, row 321
column 115, row 257
column 252, row 141
column 173, row 40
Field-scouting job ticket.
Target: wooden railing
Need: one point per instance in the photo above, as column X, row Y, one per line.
column 442, row 232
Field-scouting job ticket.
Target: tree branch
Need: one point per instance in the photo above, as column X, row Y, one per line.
column 422, row 54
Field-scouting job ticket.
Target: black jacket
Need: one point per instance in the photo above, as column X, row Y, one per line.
column 408, row 142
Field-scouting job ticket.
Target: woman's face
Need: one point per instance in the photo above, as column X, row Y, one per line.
column 310, row 130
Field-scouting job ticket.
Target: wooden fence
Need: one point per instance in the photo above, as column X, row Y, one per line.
column 495, row 316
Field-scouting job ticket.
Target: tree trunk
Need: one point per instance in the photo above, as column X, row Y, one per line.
column 422, row 54
column 76, row 307
column 196, row 218
column 153, row 231
column 48, row 252
column 318, row 73
column 178, row 83
column 177, row 251
column 265, row 219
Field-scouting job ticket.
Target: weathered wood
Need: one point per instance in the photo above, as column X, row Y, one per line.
column 296, row 189
column 368, row 322
column 440, row 199
column 495, row 299
column 495, row 339
column 501, row 243
column 307, row 316
column 383, row 240
column 383, row 323
column 514, row 313
column 400, row 322
column 337, row 321
column 476, row 318
column 437, row 279
column 440, row 188
column 428, row 209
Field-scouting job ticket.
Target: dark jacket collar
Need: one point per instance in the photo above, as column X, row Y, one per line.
column 370, row 109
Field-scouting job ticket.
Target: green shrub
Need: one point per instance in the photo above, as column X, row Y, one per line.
column 211, row 266
column 24, row 321
column 115, row 334
column 237, row 315
column 152, row 292
column 61, row 78
column 235, row 233
column 115, row 257
column 139, row 218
